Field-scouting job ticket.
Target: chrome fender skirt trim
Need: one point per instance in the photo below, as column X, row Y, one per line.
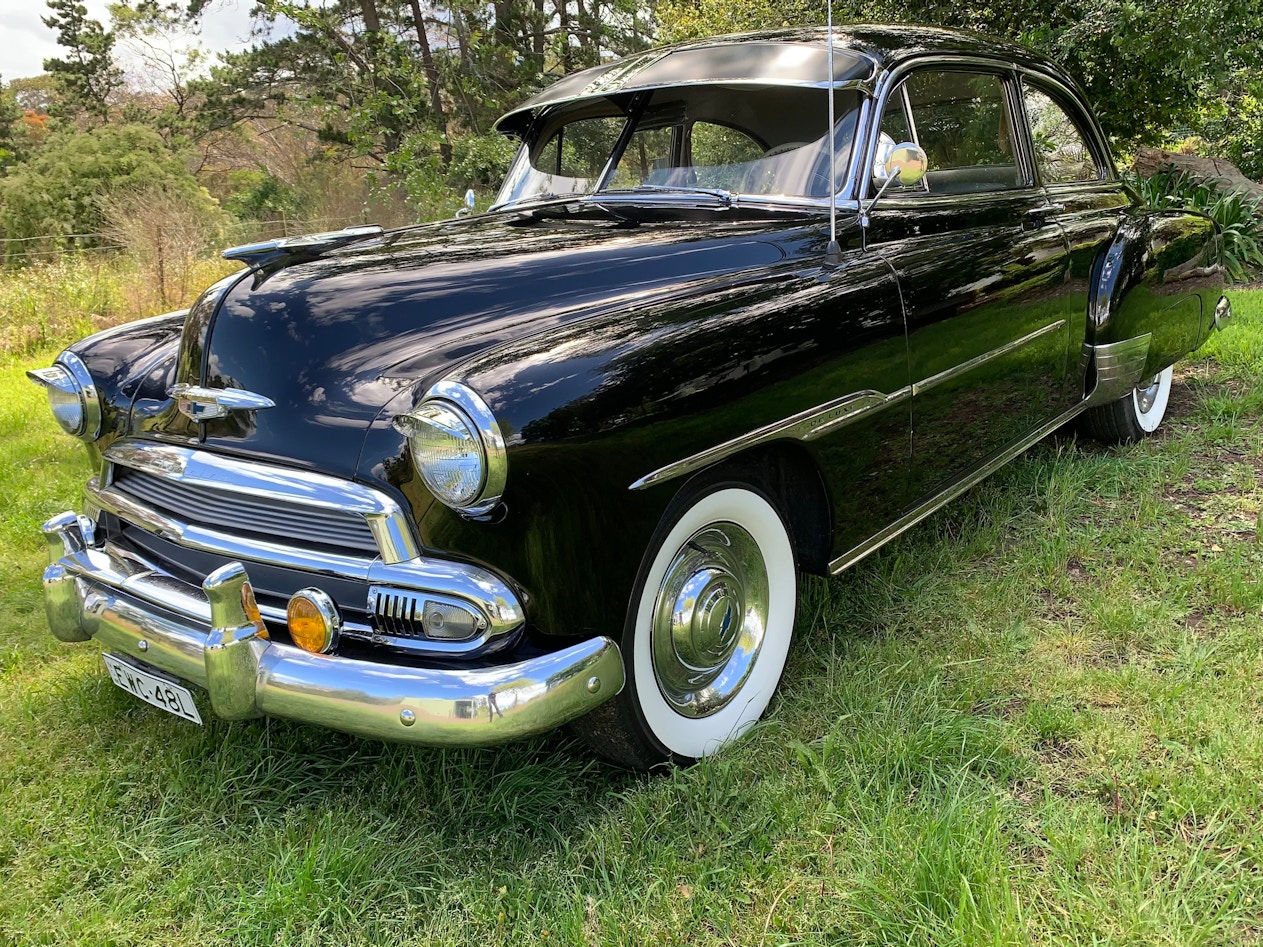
column 1119, row 367
column 203, row 635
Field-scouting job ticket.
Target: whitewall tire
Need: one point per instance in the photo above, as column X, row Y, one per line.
column 708, row 630
column 1133, row 416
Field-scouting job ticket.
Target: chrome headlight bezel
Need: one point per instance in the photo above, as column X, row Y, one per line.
column 69, row 376
column 463, row 403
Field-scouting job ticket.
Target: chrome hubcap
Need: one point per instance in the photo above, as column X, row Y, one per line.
column 1147, row 394
column 709, row 619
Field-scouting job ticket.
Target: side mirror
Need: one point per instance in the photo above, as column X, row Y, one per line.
column 907, row 164
column 470, row 198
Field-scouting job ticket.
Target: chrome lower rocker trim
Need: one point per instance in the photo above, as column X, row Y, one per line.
column 906, row 522
column 203, row 635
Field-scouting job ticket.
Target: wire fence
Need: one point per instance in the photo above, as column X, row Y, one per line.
column 50, row 248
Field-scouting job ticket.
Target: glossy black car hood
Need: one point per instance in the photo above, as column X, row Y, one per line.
column 331, row 341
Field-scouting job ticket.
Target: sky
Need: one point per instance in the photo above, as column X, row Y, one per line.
column 25, row 42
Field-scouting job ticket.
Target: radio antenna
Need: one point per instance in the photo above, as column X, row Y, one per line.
column 833, row 254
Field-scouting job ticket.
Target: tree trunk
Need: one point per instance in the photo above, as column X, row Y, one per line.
column 372, row 23
column 563, row 32
column 1217, row 171
column 537, row 34
column 432, row 82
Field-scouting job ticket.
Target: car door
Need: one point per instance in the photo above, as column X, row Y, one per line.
column 982, row 268
column 1085, row 198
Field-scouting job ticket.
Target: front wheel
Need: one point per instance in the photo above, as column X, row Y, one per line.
column 707, row 631
column 1134, row 415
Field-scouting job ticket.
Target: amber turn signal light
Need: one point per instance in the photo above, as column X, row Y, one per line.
column 314, row 622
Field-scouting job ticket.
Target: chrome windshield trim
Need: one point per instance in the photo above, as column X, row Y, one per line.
column 805, row 426
column 390, row 526
column 967, row 366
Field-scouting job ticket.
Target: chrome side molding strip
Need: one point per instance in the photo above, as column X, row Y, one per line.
column 956, row 371
column 920, row 512
column 832, row 415
column 804, row 426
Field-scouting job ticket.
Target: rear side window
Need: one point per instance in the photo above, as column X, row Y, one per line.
column 1061, row 152
column 962, row 121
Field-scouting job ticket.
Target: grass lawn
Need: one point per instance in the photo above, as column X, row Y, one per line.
column 1036, row 718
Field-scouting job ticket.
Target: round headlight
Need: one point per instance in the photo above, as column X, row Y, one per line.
column 72, row 395
column 447, row 452
column 65, row 398
column 457, row 448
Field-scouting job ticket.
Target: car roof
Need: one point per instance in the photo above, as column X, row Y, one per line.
column 794, row 57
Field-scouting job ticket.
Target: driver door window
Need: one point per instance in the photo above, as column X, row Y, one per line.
column 962, row 121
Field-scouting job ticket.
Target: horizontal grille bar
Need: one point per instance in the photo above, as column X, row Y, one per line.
column 241, row 514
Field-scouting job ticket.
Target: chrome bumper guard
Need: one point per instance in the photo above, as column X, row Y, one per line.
column 203, row 636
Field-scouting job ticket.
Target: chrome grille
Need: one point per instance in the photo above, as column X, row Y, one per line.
column 242, row 514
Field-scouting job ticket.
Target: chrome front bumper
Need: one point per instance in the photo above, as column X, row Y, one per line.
column 202, row 635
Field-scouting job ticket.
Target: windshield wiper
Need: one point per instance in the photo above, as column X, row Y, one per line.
column 671, row 193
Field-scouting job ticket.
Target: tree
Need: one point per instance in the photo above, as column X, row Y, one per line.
column 88, row 76
column 1146, row 68
column 160, row 93
column 10, row 116
column 399, row 80
column 60, row 190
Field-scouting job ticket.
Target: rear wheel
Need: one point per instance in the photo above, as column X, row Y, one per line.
column 707, row 631
column 1134, row 415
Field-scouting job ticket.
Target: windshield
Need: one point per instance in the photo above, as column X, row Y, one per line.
column 746, row 140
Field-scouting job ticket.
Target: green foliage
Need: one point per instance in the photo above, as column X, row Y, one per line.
column 1240, row 217
column 1232, row 124
column 10, row 115
column 87, row 75
column 51, row 304
column 258, row 195
column 481, row 160
column 60, row 190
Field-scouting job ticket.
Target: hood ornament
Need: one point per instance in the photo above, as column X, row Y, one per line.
column 307, row 246
column 207, row 404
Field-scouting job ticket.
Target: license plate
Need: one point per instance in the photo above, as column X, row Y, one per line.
column 152, row 689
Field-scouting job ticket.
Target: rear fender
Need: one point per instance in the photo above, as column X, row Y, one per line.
column 1154, row 298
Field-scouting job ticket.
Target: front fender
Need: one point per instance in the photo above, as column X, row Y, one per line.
column 124, row 362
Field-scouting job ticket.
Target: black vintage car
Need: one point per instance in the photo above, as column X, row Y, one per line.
column 458, row 483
